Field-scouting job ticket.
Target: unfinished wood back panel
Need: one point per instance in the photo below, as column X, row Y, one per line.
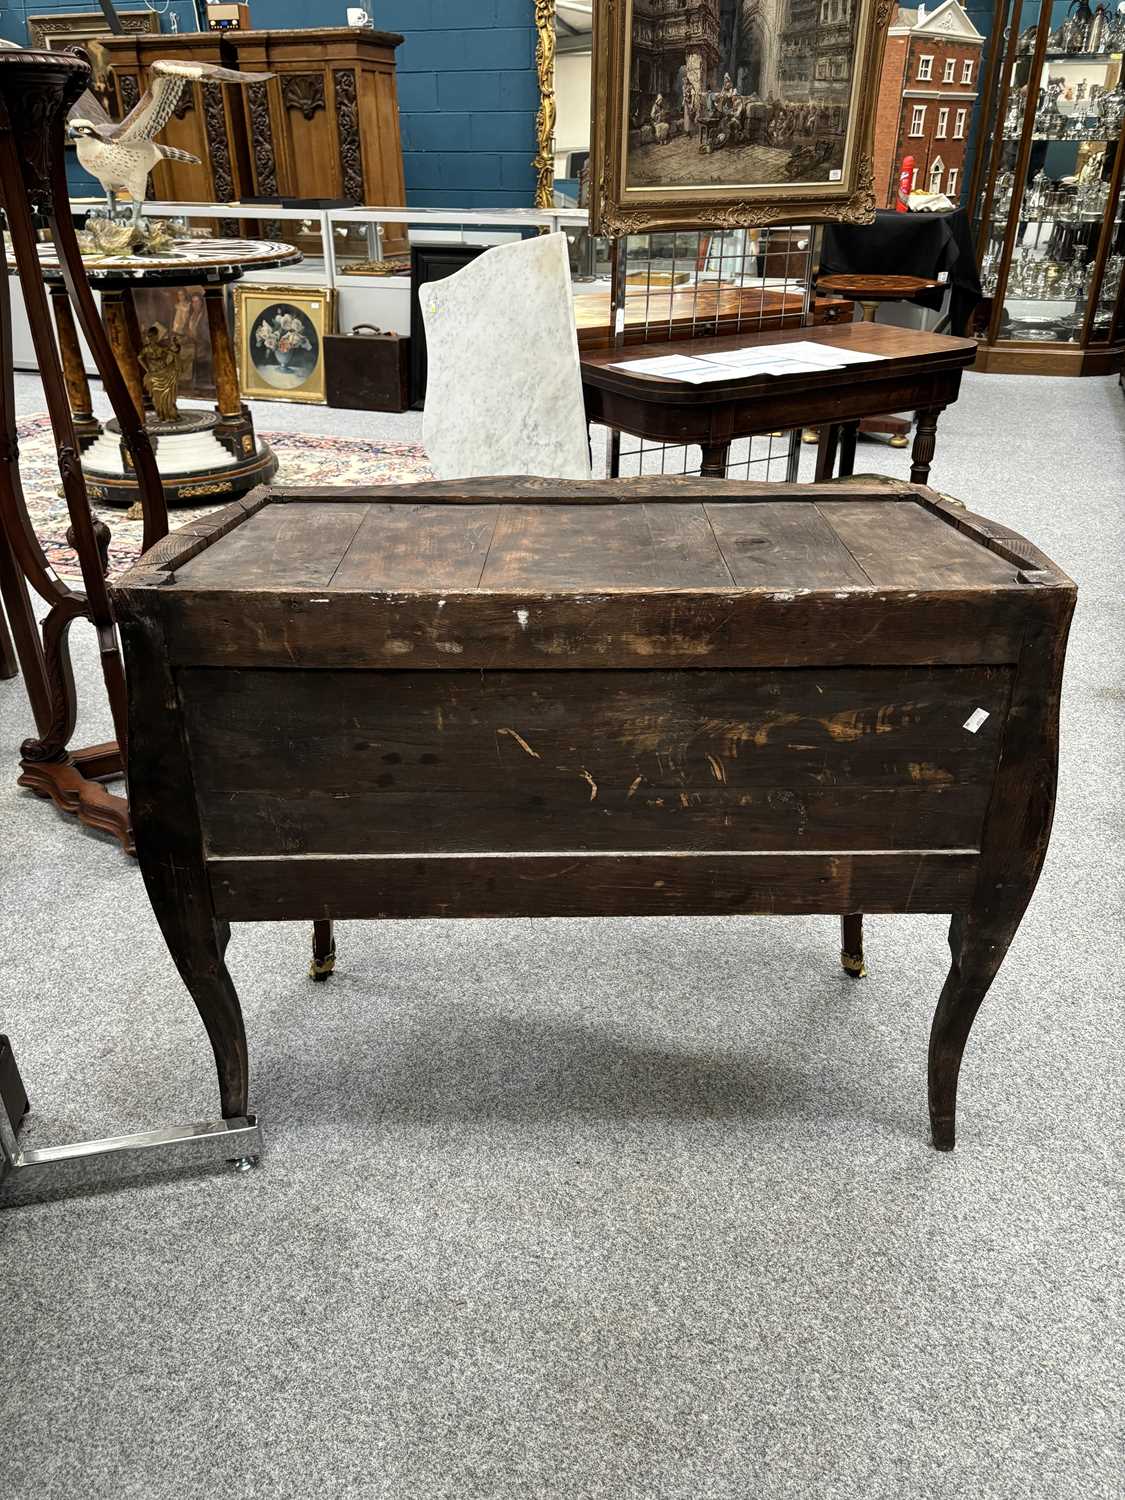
column 537, row 698
column 289, row 762
column 713, row 544
column 677, row 884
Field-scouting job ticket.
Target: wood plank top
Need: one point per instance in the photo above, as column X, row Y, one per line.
column 505, row 536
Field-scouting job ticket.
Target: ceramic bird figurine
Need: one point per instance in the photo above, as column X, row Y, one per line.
column 122, row 154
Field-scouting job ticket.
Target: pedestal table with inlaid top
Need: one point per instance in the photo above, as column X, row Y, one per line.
column 203, row 455
column 511, row 697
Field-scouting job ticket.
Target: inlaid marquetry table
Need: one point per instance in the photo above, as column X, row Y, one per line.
column 529, row 698
column 204, row 456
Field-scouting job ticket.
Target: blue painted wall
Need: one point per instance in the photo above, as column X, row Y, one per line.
column 468, row 96
column 467, row 88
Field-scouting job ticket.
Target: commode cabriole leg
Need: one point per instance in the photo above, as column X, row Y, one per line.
column 169, row 841
column 198, row 942
column 1014, row 841
column 978, row 946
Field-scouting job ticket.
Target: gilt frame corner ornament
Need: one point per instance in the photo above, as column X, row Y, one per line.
column 822, row 170
column 56, row 33
column 544, row 162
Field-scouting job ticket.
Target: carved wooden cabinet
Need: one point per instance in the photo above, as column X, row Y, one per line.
column 326, row 126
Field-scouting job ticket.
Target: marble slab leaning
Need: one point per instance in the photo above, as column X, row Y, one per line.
column 504, row 388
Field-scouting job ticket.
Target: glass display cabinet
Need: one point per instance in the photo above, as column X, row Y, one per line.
column 1046, row 191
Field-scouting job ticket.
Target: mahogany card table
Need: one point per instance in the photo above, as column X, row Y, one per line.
column 529, row 698
column 914, row 371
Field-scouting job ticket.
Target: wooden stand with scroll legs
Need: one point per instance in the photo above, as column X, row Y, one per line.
column 9, row 662
column 36, row 89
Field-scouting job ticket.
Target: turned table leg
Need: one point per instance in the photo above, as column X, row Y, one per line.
column 117, row 326
column 324, row 951
column 229, row 397
column 613, row 455
column 86, row 425
column 849, row 434
column 228, row 401
column 715, row 457
column 925, row 441
column 136, row 341
column 851, row 945
column 826, row 452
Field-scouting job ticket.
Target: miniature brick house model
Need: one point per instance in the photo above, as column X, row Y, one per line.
column 930, row 78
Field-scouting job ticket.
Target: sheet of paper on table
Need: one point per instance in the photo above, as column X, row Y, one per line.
column 782, row 358
column 667, row 364
column 709, row 370
column 825, row 354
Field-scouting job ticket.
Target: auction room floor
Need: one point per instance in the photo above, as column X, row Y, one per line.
column 613, row 1209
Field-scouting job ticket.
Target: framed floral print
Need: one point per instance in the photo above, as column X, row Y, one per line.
column 733, row 113
column 279, row 335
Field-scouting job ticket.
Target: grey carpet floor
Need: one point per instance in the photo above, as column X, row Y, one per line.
column 576, row 1209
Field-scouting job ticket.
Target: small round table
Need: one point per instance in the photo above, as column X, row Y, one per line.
column 202, row 454
column 869, row 291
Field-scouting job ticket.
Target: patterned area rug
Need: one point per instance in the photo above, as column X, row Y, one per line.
column 301, row 460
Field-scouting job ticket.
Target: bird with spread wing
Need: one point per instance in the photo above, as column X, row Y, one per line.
column 121, row 154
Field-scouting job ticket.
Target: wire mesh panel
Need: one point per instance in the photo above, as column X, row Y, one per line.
column 698, row 284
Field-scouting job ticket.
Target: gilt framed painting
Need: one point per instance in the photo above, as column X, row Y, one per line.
column 733, row 113
column 279, row 335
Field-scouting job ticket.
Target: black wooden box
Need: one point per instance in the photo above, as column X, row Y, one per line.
column 367, row 370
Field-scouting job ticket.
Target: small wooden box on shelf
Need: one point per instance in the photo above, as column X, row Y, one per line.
column 514, row 697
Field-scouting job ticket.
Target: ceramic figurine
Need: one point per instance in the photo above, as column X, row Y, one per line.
column 122, row 154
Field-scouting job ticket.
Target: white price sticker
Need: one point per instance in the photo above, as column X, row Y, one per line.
column 976, row 719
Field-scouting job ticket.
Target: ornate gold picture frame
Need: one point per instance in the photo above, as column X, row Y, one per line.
column 731, row 113
column 279, row 338
column 76, row 29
